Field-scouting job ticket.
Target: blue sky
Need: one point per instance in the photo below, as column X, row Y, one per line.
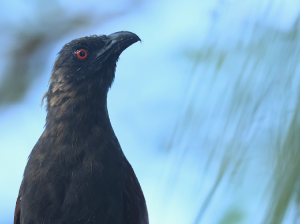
column 145, row 101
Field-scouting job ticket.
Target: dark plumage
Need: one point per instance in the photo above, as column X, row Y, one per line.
column 77, row 172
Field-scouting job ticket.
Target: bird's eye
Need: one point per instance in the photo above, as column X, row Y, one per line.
column 81, row 54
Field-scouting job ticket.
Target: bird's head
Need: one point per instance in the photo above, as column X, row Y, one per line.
column 87, row 65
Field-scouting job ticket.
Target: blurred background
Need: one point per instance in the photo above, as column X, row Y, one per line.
column 206, row 108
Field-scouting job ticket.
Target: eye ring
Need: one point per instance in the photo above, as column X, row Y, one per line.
column 81, row 54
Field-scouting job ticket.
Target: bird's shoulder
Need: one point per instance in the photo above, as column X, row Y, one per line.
column 134, row 200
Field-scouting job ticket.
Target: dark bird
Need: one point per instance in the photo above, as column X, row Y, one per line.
column 77, row 172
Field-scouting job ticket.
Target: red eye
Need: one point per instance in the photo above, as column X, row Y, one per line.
column 81, row 54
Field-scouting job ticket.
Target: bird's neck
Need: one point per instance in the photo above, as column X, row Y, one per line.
column 77, row 117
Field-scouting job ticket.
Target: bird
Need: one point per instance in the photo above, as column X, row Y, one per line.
column 77, row 172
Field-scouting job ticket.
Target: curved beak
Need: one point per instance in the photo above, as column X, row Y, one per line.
column 116, row 43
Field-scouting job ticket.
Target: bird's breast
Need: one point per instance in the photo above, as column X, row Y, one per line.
column 73, row 182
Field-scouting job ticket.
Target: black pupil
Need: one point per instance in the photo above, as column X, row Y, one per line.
column 82, row 53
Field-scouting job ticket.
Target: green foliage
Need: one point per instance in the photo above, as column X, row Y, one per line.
column 254, row 89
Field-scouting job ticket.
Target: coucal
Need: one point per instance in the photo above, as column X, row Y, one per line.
column 77, row 172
